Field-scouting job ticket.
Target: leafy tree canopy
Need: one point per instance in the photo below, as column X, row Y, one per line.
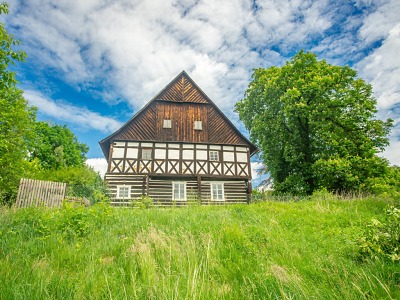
column 55, row 146
column 16, row 117
column 315, row 125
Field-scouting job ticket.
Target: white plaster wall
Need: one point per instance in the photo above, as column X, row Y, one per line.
column 241, row 157
column 188, row 154
column 160, row 154
column 201, row 154
column 132, row 153
column 118, row 153
column 229, row 156
column 173, row 154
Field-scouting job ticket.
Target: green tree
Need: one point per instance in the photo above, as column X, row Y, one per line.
column 83, row 181
column 55, row 146
column 315, row 124
column 16, row 117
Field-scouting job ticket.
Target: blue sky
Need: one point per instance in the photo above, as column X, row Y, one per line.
column 92, row 64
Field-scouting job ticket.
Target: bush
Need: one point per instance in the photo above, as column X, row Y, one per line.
column 82, row 181
column 144, row 202
column 382, row 239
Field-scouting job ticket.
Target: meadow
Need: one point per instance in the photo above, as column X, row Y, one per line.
column 305, row 249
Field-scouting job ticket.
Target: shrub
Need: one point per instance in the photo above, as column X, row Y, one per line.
column 382, row 238
column 144, row 202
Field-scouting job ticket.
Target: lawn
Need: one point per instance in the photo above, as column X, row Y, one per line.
column 271, row 250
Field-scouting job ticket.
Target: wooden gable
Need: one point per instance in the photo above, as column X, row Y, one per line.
column 182, row 102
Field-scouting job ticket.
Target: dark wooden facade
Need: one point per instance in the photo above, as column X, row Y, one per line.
column 178, row 147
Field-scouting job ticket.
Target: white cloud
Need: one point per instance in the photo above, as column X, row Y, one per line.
column 382, row 69
column 126, row 50
column 392, row 152
column 136, row 49
column 379, row 23
column 70, row 113
column 256, row 167
column 98, row 164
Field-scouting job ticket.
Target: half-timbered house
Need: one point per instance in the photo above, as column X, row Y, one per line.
column 179, row 147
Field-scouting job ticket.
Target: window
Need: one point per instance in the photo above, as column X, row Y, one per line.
column 179, row 191
column 123, row 192
column 214, row 156
column 198, row 125
column 167, row 124
column 146, row 154
column 217, row 191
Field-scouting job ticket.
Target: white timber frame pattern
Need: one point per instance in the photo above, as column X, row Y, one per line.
column 174, row 158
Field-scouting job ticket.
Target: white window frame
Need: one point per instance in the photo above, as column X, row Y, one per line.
column 198, row 125
column 121, row 194
column 174, row 187
column 167, row 123
column 214, row 155
column 219, row 186
column 146, row 150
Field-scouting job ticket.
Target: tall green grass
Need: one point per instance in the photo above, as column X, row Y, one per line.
column 269, row 250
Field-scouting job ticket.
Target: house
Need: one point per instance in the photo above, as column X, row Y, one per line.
column 179, row 147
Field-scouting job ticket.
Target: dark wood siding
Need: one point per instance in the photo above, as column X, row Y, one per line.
column 221, row 132
column 160, row 190
column 182, row 102
column 143, row 128
column 182, row 90
column 182, row 117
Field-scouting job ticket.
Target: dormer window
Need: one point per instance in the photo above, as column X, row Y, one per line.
column 198, row 125
column 167, row 123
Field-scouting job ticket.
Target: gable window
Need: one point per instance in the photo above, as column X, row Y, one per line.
column 167, row 123
column 146, row 154
column 214, row 156
column 198, row 125
column 123, row 191
column 179, row 190
column 217, row 191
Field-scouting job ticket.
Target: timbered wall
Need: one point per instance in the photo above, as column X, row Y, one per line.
column 160, row 189
column 184, row 162
column 146, row 157
column 128, row 157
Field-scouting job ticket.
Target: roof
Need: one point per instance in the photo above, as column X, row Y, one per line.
column 181, row 90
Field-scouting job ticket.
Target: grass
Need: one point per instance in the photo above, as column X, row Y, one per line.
column 268, row 250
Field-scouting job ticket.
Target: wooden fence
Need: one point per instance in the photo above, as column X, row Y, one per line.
column 33, row 192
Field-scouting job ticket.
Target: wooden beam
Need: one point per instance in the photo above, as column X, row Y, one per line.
column 249, row 190
column 199, row 187
column 147, row 184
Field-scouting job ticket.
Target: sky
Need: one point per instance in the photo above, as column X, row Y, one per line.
column 92, row 64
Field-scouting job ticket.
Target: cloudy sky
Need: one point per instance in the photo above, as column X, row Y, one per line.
column 93, row 63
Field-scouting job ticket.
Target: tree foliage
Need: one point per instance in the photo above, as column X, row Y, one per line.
column 315, row 124
column 55, row 147
column 29, row 148
column 16, row 117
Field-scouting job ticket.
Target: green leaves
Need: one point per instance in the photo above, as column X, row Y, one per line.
column 16, row 117
column 27, row 146
column 55, row 146
column 382, row 239
column 315, row 123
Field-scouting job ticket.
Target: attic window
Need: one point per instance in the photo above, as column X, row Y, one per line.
column 167, row 124
column 198, row 125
